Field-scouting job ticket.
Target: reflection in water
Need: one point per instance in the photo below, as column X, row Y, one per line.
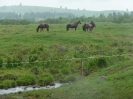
column 26, row 88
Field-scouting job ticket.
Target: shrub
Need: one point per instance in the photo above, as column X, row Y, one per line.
column 13, row 62
column 45, row 79
column 97, row 62
column 10, row 77
column 16, row 62
column 37, row 50
column 92, row 64
column 65, row 71
column 57, row 76
column 14, row 22
column 32, row 58
column 7, row 84
column 54, row 71
column 101, row 62
column 26, row 80
column 9, row 63
column 35, row 70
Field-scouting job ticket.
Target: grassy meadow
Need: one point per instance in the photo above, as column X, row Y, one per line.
column 28, row 57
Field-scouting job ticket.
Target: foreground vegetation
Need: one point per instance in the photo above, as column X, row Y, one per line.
column 31, row 58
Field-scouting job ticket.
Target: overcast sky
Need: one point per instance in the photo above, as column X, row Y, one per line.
column 96, row 5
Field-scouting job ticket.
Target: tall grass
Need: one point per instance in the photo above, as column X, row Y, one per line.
column 35, row 53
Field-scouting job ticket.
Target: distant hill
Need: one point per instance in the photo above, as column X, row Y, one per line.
column 26, row 9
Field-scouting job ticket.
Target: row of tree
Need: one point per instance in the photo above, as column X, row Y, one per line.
column 117, row 17
column 33, row 16
column 112, row 17
column 14, row 22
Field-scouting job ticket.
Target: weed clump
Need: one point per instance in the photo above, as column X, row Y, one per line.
column 45, row 79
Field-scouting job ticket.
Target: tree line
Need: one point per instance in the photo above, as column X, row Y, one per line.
column 33, row 15
column 62, row 18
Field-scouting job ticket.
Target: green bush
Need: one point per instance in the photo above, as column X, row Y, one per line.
column 45, row 79
column 16, row 62
column 26, row 80
column 65, row 71
column 101, row 62
column 13, row 62
column 10, row 77
column 7, row 84
column 9, row 63
column 35, row 70
column 33, row 58
column 54, row 71
column 97, row 63
column 92, row 64
column 14, row 22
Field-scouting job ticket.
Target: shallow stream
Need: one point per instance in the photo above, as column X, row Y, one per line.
column 26, row 88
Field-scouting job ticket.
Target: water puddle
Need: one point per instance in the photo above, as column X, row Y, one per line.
column 26, row 88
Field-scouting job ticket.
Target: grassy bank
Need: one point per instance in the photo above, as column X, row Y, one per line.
column 116, row 85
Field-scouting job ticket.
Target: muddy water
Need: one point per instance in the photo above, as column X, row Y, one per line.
column 26, row 88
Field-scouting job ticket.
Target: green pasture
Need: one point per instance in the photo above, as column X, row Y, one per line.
column 27, row 58
column 14, row 37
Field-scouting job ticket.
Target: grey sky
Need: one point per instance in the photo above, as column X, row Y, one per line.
column 97, row 5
